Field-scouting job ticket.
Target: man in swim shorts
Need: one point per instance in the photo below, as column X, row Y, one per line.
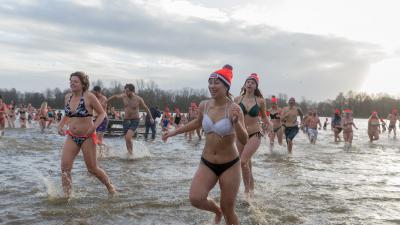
column 289, row 118
column 132, row 102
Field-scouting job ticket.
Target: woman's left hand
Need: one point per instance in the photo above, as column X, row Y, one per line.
column 91, row 130
column 235, row 112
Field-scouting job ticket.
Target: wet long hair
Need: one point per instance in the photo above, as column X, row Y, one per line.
column 43, row 106
column 257, row 92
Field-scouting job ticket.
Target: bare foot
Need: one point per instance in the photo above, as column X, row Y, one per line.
column 218, row 216
column 111, row 190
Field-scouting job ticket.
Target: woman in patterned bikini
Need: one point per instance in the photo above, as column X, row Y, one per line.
column 79, row 107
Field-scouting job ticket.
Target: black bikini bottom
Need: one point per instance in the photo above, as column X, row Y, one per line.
column 218, row 169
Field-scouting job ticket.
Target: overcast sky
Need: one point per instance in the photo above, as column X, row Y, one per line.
column 307, row 48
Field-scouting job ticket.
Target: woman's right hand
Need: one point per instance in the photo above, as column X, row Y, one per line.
column 61, row 131
column 167, row 134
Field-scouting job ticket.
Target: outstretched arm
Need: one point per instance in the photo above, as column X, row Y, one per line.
column 300, row 113
column 115, row 97
column 192, row 125
column 147, row 110
column 263, row 110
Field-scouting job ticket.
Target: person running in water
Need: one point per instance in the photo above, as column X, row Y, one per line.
column 42, row 114
column 312, row 126
column 275, row 117
column 252, row 103
column 223, row 123
column 383, row 124
column 50, row 116
column 155, row 113
column 336, row 125
column 80, row 105
column 374, row 128
column 166, row 119
column 177, row 118
column 348, row 124
column 393, row 117
column 11, row 115
column 289, row 118
column 132, row 103
column 102, row 128
column 31, row 112
column 3, row 116
column 59, row 116
column 22, row 115
column 326, row 123
column 193, row 113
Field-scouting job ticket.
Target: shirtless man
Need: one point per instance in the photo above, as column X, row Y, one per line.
column 102, row 128
column 289, row 118
column 393, row 117
column 3, row 113
column 312, row 123
column 132, row 102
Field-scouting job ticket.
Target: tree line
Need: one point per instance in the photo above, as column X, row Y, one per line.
column 361, row 103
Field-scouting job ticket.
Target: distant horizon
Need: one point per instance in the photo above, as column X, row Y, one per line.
column 234, row 92
column 301, row 48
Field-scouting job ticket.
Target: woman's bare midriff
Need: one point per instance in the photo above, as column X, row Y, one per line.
column 220, row 149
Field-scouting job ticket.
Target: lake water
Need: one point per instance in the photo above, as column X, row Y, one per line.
column 321, row 184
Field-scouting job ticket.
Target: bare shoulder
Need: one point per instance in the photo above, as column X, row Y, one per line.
column 68, row 95
column 235, row 106
column 139, row 98
column 237, row 98
column 89, row 95
column 261, row 101
column 202, row 105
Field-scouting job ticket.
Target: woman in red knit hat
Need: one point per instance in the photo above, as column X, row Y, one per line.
column 252, row 103
column 348, row 124
column 223, row 123
column 374, row 127
column 275, row 117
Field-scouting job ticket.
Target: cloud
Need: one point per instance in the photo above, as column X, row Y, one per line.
column 124, row 40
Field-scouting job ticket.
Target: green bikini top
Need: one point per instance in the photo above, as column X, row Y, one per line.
column 253, row 112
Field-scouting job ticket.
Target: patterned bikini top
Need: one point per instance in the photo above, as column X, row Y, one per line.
column 80, row 111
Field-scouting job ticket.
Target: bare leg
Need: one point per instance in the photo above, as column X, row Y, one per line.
column 203, row 181
column 69, row 153
column 229, row 183
column 245, row 160
column 290, row 146
column 280, row 136
column 49, row 123
column 89, row 155
column 198, row 133
column 128, row 141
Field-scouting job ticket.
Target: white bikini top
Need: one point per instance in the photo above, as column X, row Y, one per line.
column 222, row 127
